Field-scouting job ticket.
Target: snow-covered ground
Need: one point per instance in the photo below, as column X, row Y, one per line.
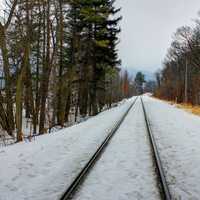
column 126, row 170
column 178, row 137
column 43, row 169
column 27, row 126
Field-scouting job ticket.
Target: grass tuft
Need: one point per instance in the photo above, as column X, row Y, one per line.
column 186, row 106
column 190, row 108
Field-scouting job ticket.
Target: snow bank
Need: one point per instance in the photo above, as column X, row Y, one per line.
column 44, row 168
column 177, row 133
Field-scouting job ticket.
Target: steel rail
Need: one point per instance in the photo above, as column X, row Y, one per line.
column 165, row 192
column 80, row 177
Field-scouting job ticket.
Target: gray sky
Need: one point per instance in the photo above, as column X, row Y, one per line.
column 147, row 29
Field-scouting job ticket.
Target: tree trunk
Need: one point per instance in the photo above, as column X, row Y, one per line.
column 6, row 67
column 46, row 73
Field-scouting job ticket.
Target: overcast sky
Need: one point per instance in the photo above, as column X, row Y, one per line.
column 147, row 29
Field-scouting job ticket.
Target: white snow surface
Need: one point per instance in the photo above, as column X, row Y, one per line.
column 125, row 170
column 177, row 135
column 43, row 169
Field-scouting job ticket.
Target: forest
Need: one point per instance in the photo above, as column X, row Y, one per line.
column 58, row 63
column 179, row 80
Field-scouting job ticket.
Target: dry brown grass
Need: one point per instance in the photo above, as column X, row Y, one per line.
column 187, row 107
column 190, row 108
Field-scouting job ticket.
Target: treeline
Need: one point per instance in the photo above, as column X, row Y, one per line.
column 59, row 58
column 180, row 79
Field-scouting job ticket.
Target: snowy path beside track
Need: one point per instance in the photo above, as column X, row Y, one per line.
column 177, row 134
column 125, row 171
column 43, row 169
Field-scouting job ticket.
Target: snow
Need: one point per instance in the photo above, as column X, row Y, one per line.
column 125, row 170
column 177, row 134
column 27, row 126
column 43, row 169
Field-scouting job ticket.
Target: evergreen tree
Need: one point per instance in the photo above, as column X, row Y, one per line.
column 59, row 59
column 139, row 82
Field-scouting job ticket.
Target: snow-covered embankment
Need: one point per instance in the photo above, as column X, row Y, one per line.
column 177, row 134
column 44, row 168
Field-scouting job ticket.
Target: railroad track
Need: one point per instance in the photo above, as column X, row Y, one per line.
column 164, row 189
column 163, row 186
column 80, row 177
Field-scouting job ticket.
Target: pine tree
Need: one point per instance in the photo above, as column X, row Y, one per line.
column 63, row 61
